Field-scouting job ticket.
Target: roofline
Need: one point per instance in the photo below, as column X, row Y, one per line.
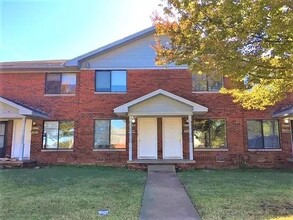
column 76, row 61
column 37, row 65
column 26, row 111
column 195, row 107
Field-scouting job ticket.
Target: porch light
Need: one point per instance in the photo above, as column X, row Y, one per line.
column 286, row 120
column 133, row 120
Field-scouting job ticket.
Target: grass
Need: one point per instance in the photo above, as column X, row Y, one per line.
column 241, row 194
column 70, row 192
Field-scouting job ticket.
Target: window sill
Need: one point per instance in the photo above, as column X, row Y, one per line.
column 59, row 95
column 211, row 149
column 252, row 150
column 109, row 93
column 109, row 149
column 56, row 150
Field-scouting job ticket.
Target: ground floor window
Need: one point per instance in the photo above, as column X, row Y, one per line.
column 263, row 134
column 58, row 135
column 110, row 134
column 209, row 133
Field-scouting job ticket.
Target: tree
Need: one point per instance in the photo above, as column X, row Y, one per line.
column 248, row 41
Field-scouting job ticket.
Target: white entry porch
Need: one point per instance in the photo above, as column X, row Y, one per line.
column 22, row 120
column 158, row 121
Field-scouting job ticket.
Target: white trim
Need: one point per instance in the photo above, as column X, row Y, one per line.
column 130, row 138
column 48, row 95
column 109, row 150
column 210, row 149
column 158, row 114
column 123, row 109
column 11, row 116
column 22, row 110
column 264, row 150
column 22, row 141
column 190, row 137
column 57, row 150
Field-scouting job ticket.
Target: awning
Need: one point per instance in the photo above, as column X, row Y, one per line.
column 10, row 109
column 160, row 103
column 286, row 111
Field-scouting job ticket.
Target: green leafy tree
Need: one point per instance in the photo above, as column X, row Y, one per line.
column 248, row 41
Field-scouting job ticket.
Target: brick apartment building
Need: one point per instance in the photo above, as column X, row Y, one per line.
column 114, row 106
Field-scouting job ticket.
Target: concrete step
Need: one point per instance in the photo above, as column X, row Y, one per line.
column 161, row 168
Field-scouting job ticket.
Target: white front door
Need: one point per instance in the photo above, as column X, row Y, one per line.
column 16, row 140
column 172, row 138
column 147, row 138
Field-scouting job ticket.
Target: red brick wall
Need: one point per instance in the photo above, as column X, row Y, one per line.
column 85, row 107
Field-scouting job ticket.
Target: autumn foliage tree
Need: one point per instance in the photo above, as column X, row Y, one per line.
column 248, row 41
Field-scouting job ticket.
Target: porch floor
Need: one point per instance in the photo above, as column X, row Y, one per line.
column 161, row 161
column 17, row 163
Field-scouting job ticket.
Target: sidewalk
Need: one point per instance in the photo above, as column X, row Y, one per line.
column 165, row 197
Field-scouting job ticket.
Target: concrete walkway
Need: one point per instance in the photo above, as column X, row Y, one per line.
column 165, row 197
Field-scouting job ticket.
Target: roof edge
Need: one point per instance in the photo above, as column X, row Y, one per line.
column 124, row 108
column 76, row 61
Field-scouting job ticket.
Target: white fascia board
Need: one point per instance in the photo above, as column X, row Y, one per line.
column 22, row 110
column 124, row 108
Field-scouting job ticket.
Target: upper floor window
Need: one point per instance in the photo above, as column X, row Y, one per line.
column 204, row 82
column 58, row 135
column 263, row 134
column 60, row 83
column 209, row 133
column 111, row 81
column 110, row 134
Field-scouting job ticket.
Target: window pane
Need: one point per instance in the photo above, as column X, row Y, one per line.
column 68, row 83
column 66, row 134
column 1, row 141
column 102, row 129
column 103, row 81
column 201, row 133
column 118, row 134
column 53, row 83
column 118, row 81
column 254, row 133
column 217, row 133
column 2, row 129
column 214, row 83
column 199, row 82
column 50, row 137
column 271, row 134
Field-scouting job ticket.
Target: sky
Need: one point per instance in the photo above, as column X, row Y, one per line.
column 64, row 29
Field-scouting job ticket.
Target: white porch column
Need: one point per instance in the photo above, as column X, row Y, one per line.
column 190, row 137
column 22, row 141
column 130, row 138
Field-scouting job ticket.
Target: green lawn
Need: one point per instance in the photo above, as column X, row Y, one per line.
column 240, row 194
column 70, row 192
